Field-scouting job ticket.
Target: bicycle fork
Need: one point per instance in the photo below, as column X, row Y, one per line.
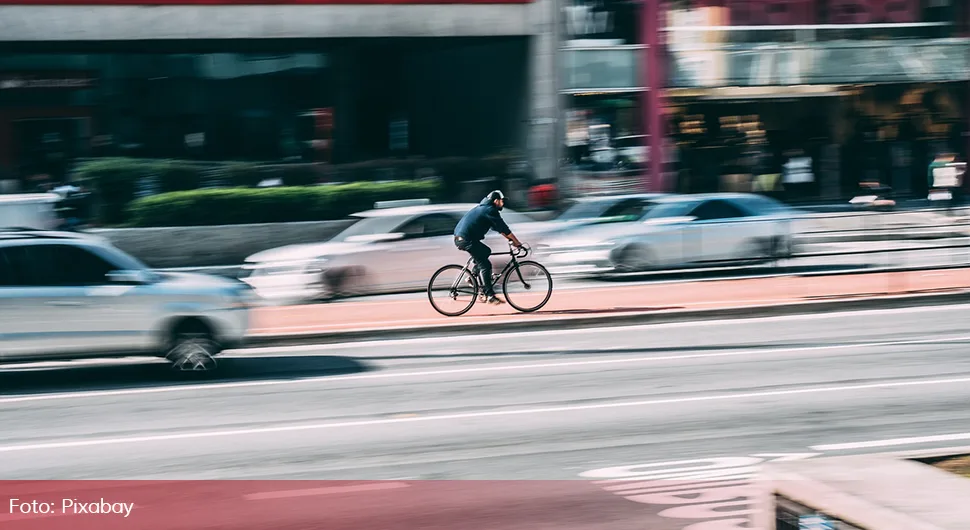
column 454, row 286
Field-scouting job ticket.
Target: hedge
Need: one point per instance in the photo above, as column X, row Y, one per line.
column 116, row 180
column 271, row 205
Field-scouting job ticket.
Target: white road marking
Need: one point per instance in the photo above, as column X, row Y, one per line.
column 330, row 490
column 956, row 308
column 477, row 369
column 96, row 442
column 892, row 442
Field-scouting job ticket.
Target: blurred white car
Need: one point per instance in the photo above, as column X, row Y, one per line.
column 679, row 231
column 387, row 250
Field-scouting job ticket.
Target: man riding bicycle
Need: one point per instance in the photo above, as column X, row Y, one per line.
column 471, row 230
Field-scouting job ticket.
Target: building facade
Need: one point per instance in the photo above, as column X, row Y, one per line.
column 337, row 81
column 741, row 95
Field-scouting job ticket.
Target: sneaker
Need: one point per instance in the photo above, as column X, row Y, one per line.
column 494, row 300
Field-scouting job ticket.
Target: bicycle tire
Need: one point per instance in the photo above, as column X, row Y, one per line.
column 505, row 287
column 460, row 269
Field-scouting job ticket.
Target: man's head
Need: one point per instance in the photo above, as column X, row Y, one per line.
column 497, row 198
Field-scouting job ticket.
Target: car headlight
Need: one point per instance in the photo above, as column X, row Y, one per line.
column 243, row 298
column 582, row 245
column 278, row 268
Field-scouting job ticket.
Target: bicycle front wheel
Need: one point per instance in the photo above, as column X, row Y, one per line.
column 452, row 290
column 528, row 287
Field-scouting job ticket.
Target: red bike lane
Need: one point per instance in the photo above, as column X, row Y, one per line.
column 618, row 300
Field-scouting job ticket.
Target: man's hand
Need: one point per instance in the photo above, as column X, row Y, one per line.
column 515, row 241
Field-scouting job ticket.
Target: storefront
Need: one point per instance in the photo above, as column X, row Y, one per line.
column 602, row 92
column 338, row 92
column 864, row 92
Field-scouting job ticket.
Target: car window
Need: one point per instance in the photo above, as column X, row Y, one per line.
column 759, row 205
column 440, row 225
column 431, row 225
column 22, row 271
column 632, row 208
column 587, row 209
column 57, row 266
column 669, row 209
column 716, row 210
column 365, row 226
column 7, row 273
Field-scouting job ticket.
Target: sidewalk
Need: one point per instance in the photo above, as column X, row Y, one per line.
column 618, row 301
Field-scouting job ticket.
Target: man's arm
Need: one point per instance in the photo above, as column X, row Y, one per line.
column 511, row 237
column 498, row 224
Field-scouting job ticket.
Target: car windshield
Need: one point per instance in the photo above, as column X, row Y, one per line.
column 367, row 226
column 590, row 209
column 123, row 260
column 669, row 209
column 766, row 206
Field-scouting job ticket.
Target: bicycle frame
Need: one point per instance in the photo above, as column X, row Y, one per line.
column 512, row 264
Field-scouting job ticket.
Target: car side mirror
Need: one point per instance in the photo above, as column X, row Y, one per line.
column 133, row 277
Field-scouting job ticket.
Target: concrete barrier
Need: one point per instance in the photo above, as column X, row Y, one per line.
column 207, row 246
column 226, row 245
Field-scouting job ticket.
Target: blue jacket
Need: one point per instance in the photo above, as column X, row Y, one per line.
column 477, row 222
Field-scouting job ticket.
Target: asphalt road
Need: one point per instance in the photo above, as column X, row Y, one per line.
column 544, row 406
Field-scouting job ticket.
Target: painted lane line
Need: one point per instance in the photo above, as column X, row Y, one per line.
column 96, row 442
column 331, row 490
column 478, row 369
column 892, row 442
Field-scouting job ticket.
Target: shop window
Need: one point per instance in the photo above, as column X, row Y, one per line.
column 593, row 69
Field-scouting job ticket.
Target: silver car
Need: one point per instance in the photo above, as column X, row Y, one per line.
column 679, row 231
column 385, row 250
column 66, row 296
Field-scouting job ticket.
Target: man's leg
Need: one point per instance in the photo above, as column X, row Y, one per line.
column 481, row 252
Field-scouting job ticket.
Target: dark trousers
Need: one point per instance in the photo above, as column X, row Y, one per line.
column 480, row 253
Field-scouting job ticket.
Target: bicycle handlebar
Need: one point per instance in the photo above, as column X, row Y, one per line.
column 519, row 252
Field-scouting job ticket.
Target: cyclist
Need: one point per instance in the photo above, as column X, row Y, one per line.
column 471, row 230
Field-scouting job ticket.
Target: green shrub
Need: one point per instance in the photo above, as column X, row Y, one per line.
column 271, row 205
column 117, row 180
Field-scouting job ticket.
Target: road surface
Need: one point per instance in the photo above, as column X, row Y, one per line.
column 549, row 406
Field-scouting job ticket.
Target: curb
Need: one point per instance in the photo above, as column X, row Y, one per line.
column 630, row 319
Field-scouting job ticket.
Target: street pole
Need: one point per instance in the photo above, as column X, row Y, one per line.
column 558, row 125
column 652, row 30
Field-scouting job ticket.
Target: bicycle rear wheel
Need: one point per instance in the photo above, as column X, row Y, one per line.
column 452, row 290
column 528, row 288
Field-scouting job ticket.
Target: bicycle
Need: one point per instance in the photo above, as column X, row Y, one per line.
column 467, row 284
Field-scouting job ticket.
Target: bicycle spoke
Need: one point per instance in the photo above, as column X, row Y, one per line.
column 528, row 288
column 452, row 290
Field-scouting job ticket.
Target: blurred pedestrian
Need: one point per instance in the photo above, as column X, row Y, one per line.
column 797, row 174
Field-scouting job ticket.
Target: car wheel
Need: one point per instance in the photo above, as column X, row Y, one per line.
column 192, row 349
column 342, row 283
column 755, row 251
column 632, row 259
